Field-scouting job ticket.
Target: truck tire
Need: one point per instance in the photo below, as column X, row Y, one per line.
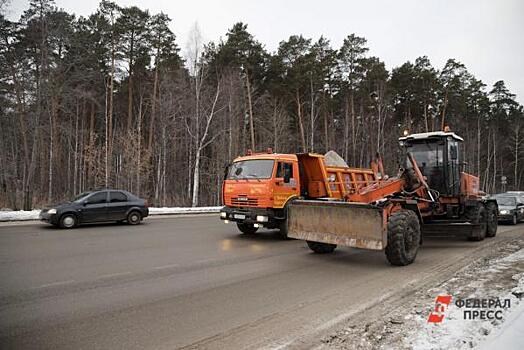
column 492, row 214
column 248, row 229
column 321, row 248
column 478, row 215
column 282, row 229
column 403, row 238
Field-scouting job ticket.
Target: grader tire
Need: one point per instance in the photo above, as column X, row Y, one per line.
column 478, row 215
column 403, row 238
column 492, row 216
column 321, row 248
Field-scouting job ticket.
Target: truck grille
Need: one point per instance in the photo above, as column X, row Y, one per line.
column 244, row 201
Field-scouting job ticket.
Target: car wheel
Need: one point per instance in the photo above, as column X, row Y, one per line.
column 134, row 218
column 68, row 221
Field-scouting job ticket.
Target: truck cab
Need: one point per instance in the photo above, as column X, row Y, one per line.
column 256, row 189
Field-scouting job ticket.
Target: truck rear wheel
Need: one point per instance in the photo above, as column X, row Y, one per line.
column 477, row 215
column 403, row 238
column 492, row 214
column 247, row 228
column 321, row 248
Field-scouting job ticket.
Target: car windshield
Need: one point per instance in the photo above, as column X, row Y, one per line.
column 81, row 196
column 251, row 169
column 508, row 201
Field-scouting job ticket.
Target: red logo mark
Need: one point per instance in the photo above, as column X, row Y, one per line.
column 441, row 304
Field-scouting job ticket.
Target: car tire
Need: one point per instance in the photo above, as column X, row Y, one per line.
column 134, row 218
column 68, row 221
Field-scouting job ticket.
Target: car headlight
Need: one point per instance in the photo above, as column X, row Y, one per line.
column 223, row 214
column 262, row 218
column 51, row 211
column 503, row 212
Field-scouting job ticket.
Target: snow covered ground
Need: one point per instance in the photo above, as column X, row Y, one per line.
column 22, row 215
column 503, row 279
column 404, row 323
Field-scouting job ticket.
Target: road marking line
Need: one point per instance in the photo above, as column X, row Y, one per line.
column 54, row 284
column 115, row 274
column 166, row 266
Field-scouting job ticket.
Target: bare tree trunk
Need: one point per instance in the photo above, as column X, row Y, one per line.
column 201, row 144
column 153, row 107
column 444, row 110
column 139, row 147
column 346, row 131
column 353, row 133
column 300, row 122
column 250, row 109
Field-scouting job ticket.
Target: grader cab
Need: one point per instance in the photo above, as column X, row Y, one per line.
column 430, row 195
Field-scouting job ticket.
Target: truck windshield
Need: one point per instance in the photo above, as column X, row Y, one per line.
column 251, row 169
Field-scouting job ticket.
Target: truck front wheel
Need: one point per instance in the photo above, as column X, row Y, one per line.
column 403, row 238
column 247, row 228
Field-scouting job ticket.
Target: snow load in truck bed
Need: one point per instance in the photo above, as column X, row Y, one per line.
column 332, row 158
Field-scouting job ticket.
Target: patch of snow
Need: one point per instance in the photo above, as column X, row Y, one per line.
column 183, row 210
column 23, row 215
column 19, row 215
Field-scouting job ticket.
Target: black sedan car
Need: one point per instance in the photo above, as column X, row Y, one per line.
column 97, row 206
column 511, row 208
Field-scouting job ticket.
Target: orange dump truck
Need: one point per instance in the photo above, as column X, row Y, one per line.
column 258, row 187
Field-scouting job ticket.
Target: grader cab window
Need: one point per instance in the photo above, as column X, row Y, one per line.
column 430, row 160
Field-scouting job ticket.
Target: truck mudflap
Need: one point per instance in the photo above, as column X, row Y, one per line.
column 356, row 225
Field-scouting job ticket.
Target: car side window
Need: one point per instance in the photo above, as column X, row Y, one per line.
column 284, row 168
column 117, row 197
column 98, row 198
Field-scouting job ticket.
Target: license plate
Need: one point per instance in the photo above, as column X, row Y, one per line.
column 239, row 216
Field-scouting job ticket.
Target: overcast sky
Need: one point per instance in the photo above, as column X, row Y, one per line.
column 487, row 36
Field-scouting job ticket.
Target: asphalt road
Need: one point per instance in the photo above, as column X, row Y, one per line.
column 190, row 282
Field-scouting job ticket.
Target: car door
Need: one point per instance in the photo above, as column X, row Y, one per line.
column 95, row 207
column 117, row 206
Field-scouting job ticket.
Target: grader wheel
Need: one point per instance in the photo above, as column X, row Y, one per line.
column 478, row 215
column 403, row 238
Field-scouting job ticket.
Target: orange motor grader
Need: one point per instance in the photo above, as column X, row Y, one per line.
column 430, row 195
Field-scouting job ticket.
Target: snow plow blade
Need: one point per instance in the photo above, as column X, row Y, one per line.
column 356, row 225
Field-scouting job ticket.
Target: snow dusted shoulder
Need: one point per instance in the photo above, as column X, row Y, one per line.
column 497, row 279
column 183, row 210
column 19, row 215
column 23, row 215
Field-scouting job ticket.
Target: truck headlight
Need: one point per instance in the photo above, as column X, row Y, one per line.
column 504, row 212
column 223, row 214
column 51, row 211
column 262, row 218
